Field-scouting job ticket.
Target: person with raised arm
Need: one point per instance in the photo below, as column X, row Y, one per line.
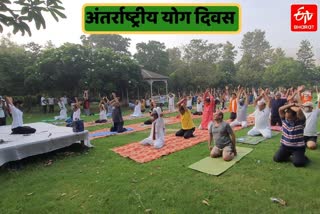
column 293, row 145
column 242, row 103
column 187, row 125
column 17, row 118
column 117, row 116
column 157, row 133
column 261, row 116
column 207, row 114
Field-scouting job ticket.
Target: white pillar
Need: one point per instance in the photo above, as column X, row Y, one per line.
column 166, row 82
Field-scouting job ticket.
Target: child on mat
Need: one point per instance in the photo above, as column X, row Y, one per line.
column 157, row 133
column 63, row 110
column 292, row 140
column 224, row 139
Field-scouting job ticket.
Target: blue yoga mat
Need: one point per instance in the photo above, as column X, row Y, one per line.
column 107, row 133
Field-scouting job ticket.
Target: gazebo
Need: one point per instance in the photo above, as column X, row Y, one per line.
column 151, row 77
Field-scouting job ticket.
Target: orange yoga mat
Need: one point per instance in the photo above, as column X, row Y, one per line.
column 143, row 154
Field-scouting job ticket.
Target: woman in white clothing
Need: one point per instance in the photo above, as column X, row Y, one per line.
column 137, row 109
column 157, row 134
column 63, row 110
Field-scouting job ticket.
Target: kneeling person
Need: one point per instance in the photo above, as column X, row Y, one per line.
column 224, row 138
column 157, row 133
column 187, row 124
column 292, row 140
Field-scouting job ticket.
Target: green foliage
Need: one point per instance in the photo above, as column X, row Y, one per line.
column 305, row 55
column 18, row 14
column 153, row 56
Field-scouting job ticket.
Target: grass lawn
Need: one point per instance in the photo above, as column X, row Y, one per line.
column 100, row 181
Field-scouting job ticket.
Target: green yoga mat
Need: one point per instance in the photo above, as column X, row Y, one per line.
column 217, row 166
column 253, row 140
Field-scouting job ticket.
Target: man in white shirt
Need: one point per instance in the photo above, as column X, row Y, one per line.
column 310, row 130
column 261, row 116
column 157, row 134
column 44, row 104
column 17, row 118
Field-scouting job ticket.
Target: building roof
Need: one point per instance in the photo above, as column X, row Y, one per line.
column 149, row 75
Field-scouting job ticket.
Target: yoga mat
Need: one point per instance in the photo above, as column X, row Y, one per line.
column 253, row 140
column 106, row 133
column 48, row 120
column 143, row 154
column 217, row 166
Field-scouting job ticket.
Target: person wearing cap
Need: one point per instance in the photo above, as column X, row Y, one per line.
column 261, row 116
column 187, row 125
column 157, row 134
column 292, row 146
column 310, row 131
column 242, row 104
column 2, row 112
column 224, row 138
column 207, row 114
column 233, row 106
column 17, row 118
column 276, row 103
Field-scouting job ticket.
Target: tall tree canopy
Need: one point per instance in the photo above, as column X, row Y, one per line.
column 153, row 56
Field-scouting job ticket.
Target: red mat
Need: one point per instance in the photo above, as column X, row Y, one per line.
column 143, row 154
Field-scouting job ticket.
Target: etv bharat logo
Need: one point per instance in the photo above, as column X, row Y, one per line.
column 304, row 17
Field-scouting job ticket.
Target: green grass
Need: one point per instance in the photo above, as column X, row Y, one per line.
column 100, row 181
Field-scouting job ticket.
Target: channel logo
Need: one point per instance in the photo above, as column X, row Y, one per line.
column 304, row 17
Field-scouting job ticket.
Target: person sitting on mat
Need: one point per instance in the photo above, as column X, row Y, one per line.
column 17, row 118
column 292, row 140
column 187, row 124
column 152, row 106
column 157, row 133
column 242, row 105
column 103, row 113
column 261, row 117
column 224, row 138
column 137, row 109
column 117, row 116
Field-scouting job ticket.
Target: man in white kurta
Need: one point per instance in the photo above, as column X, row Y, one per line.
column 157, row 134
column 261, row 116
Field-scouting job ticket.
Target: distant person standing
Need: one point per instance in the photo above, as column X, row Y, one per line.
column 44, row 103
column 86, row 103
column 2, row 112
column 51, row 104
column 171, row 102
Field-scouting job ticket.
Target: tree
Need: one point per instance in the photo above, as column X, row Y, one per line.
column 277, row 54
column 115, row 42
column 199, row 50
column 305, row 55
column 286, row 72
column 21, row 12
column 153, row 56
column 255, row 58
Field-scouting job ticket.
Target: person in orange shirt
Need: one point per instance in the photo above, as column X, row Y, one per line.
column 233, row 107
column 305, row 96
